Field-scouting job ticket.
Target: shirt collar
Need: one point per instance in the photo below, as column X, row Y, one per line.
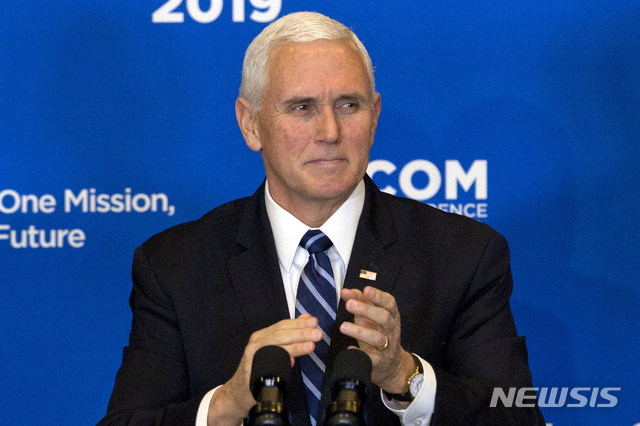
column 340, row 227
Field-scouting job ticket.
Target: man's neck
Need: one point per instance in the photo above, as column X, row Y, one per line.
column 313, row 213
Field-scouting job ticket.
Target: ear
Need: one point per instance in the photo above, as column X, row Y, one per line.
column 247, row 120
column 376, row 114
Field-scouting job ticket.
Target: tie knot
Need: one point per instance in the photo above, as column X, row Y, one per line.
column 315, row 241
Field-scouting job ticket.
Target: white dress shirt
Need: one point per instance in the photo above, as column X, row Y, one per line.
column 341, row 229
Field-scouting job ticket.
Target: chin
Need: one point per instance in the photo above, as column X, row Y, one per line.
column 333, row 191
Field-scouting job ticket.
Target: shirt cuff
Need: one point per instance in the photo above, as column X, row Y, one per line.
column 419, row 412
column 203, row 409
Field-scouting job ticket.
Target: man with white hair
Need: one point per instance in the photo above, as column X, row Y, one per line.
column 318, row 260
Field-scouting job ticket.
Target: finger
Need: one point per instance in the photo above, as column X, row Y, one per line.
column 299, row 349
column 382, row 299
column 381, row 317
column 287, row 336
column 297, row 336
column 348, row 294
column 304, row 321
column 372, row 337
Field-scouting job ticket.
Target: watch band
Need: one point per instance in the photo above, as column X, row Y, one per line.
column 406, row 395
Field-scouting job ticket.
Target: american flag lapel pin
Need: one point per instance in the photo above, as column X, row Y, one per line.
column 368, row 275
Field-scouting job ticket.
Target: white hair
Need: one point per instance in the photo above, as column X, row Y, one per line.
column 299, row 27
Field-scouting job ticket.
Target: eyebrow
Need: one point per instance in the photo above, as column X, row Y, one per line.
column 353, row 96
column 299, row 100
column 311, row 99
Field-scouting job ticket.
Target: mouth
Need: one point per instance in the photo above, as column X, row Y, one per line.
column 326, row 161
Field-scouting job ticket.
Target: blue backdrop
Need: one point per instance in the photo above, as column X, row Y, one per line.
column 117, row 121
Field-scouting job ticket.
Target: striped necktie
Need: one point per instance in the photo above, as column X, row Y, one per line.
column 317, row 296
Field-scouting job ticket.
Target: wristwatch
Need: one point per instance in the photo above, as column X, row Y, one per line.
column 414, row 383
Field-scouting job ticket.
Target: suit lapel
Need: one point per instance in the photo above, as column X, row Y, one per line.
column 255, row 272
column 376, row 232
column 256, row 278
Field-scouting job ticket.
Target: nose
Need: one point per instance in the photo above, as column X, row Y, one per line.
column 328, row 126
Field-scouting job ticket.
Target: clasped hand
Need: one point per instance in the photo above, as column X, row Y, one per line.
column 376, row 327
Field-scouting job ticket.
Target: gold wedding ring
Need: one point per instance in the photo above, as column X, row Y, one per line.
column 386, row 343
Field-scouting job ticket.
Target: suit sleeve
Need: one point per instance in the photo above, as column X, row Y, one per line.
column 152, row 385
column 484, row 351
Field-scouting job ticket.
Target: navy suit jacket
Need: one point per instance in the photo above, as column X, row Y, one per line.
column 200, row 290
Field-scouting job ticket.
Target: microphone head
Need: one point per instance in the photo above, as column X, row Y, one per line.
column 352, row 365
column 350, row 377
column 270, row 361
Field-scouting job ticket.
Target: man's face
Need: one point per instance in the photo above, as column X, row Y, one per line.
column 316, row 123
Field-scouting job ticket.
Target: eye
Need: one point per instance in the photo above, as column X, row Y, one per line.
column 305, row 109
column 349, row 106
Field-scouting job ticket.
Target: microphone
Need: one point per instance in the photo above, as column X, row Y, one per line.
column 351, row 375
column 270, row 375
